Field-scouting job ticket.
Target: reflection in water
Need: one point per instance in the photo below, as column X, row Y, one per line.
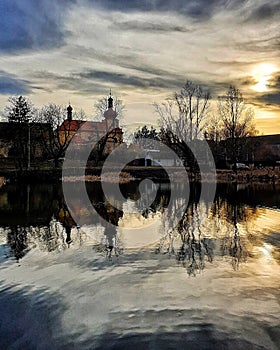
column 17, row 240
column 187, row 243
column 91, row 291
column 39, row 218
column 110, row 243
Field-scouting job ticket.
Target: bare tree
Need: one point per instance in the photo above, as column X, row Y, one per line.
column 213, row 130
column 182, row 119
column 185, row 113
column 101, row 106
column 57, row 138
column 237, row 120
column 79, row 114
column 213, row 134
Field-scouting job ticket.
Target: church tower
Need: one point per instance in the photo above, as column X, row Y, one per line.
column 69, row 112
column 110, row 114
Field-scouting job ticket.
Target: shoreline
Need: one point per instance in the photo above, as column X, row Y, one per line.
column 131, row 173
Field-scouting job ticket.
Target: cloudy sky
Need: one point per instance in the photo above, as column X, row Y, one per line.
column 56, row 51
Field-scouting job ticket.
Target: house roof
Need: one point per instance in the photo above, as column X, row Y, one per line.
column 90, row 126
column 71, row 125
column 272, row 139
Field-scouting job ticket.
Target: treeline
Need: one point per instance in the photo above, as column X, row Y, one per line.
column 43, row 135
column 188, row 116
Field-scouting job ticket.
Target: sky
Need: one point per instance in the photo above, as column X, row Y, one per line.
column 76, row 50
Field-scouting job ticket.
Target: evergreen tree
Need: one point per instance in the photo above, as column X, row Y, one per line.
column 145, row 136
column 20, row 109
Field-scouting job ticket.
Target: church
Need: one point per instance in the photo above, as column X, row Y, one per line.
column 105, row 134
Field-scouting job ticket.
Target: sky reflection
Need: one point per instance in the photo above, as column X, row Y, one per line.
column 227, row 229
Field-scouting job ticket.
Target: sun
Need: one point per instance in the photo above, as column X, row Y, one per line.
column 262, row 74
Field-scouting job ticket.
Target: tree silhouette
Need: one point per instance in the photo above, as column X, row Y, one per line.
column 58, row 136
column 101, row 106
column 237, row 120
column 184, row 114
column 19, row 113
column 17, row 240
column 182, row 120
column 19, row 110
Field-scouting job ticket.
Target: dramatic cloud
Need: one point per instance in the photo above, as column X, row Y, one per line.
column 130, row 80
column 77, row 49
column 270, row 99
column 10, row 85
column 265, row 11
column 274, row 82
column 197, row 10
column 31, row 24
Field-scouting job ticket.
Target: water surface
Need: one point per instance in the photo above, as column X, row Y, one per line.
column 210, row 283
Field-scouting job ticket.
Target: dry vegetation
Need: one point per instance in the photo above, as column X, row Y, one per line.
column 108, row 177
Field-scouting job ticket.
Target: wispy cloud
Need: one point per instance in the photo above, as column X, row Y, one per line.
column 274, row 82
column 144, row 49
column 197, row 10
column 263, row 11
column 129, row 80
column 148, row 27
column 272, row 98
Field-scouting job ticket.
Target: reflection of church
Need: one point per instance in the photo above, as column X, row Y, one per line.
column 106, row 131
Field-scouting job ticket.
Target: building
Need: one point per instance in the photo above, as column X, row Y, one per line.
column 22, row 140
column 105, row 134
column 266, row 148
column 161, row 157
column 256, row 151
column 22, row 144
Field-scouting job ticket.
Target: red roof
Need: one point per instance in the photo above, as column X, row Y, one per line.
column 90, row 126
column 72, row 125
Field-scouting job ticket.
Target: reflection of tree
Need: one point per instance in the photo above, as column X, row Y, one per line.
column 42, row 219
column 187, row 242
column 17, row 240
column 230, row 203
column 46, row 238
column 194, row 249
column 232, row 244
column 110, row 244
column 228, row 212
column 193, row 243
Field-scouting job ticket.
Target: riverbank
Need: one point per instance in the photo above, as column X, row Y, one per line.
column 249, row 176
column 158, row 174
column 132, row 173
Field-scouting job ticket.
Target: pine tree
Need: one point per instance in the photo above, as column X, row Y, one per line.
column 20, row 109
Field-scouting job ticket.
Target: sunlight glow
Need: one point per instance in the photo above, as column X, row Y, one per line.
column 266, row 251
column 262, row 74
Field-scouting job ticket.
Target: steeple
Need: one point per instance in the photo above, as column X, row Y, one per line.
column 110, row 114
column 69, row 112
column 110, row 101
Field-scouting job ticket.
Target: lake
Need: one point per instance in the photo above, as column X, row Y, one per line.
column 160, row 270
